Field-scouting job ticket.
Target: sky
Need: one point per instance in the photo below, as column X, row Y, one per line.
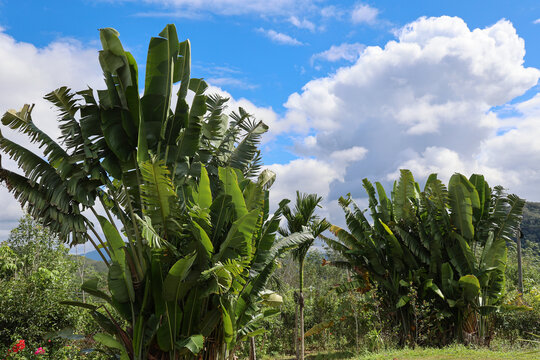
column 350, row 89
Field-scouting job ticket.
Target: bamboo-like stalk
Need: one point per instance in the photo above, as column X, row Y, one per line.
column 97, row 249
column 109, row 216
column 91, row 227
column 139, row 184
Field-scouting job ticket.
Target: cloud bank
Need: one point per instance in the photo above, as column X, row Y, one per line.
column 425, row 102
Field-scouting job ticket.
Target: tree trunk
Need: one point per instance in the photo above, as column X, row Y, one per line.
column 520, row 269
column 296, row 347
column 252, row 350
column 301, row 305
column 356, row 323
column 301, row 299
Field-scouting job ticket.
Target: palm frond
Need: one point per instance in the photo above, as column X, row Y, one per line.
column 156, row 190
column 22, row 121
column 216, row 122
column 38, row 171
column 66, row 224
column 507, row 216
column 246, row 151
column 66, row 103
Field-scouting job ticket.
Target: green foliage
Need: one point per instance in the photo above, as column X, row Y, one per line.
column 447, row 246
column 303, row 217
column 353, row 315
column 187, row 236
column 31, row 292
column 530, row 226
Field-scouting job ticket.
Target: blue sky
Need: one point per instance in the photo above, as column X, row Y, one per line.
column 350, row 89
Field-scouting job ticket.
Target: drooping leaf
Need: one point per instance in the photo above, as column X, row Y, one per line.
column 193, row 343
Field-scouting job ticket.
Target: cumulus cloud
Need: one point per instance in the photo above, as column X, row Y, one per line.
column 279, row 38
column 537, row 21
column 345, row 51
column 423, row 101
column 363, row 13
column 311, row 175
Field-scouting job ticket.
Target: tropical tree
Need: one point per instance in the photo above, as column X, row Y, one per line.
column 297, row 220
column 184, row 227
column 447, row 242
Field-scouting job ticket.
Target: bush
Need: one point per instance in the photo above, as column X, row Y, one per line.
column 36, row 275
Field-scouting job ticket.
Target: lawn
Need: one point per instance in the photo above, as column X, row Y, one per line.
column 450, row 353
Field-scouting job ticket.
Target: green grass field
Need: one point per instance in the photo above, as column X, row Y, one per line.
column 453, row 353
column 450, row 353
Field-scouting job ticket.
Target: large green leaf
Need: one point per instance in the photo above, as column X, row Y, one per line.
column 204, row 245
column 91, row 286
column 204, row 194
column 118, row 281
column 189, row 139
column 228, row 330
column 176, row 275
column 405, row 190
column 230, row 184
column 471, row 287
column 156, row 190
column 462, row 197
column 193, row 343
column 239, row 238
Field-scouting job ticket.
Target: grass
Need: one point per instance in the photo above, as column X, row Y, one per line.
column 457, row 352
column 452, row 353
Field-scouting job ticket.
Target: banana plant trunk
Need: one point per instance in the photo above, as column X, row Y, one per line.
column 252, row 349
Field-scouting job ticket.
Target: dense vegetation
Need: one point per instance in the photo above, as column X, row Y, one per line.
column 36, row 275
column 530, row 226
column 174, row 200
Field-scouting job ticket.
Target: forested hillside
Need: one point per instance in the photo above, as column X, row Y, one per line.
column 530, row 226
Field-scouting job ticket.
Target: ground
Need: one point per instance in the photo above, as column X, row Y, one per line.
column 451, row 353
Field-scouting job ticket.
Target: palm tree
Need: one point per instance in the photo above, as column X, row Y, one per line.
column 302, row 217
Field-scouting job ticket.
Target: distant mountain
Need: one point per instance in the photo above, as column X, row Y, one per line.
column 94, row 255
column 92, row 266
column 530, row 226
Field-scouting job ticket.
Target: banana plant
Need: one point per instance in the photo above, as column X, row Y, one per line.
column 448, row 242
column 178, row 195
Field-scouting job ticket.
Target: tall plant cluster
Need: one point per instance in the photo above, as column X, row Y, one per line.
column 178, row 194
column 182, row 218
column 445, row 244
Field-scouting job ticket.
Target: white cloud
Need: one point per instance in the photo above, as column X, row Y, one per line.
column 332, row 11
column 345, row 51
column 537, row 21
column 279, row 38
column 231, row 82
column 423, row 102
column 302, row 24
column 310, row 175
column 363, row 13
column 28, row 73
column 346, row 156
column 234, row 7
